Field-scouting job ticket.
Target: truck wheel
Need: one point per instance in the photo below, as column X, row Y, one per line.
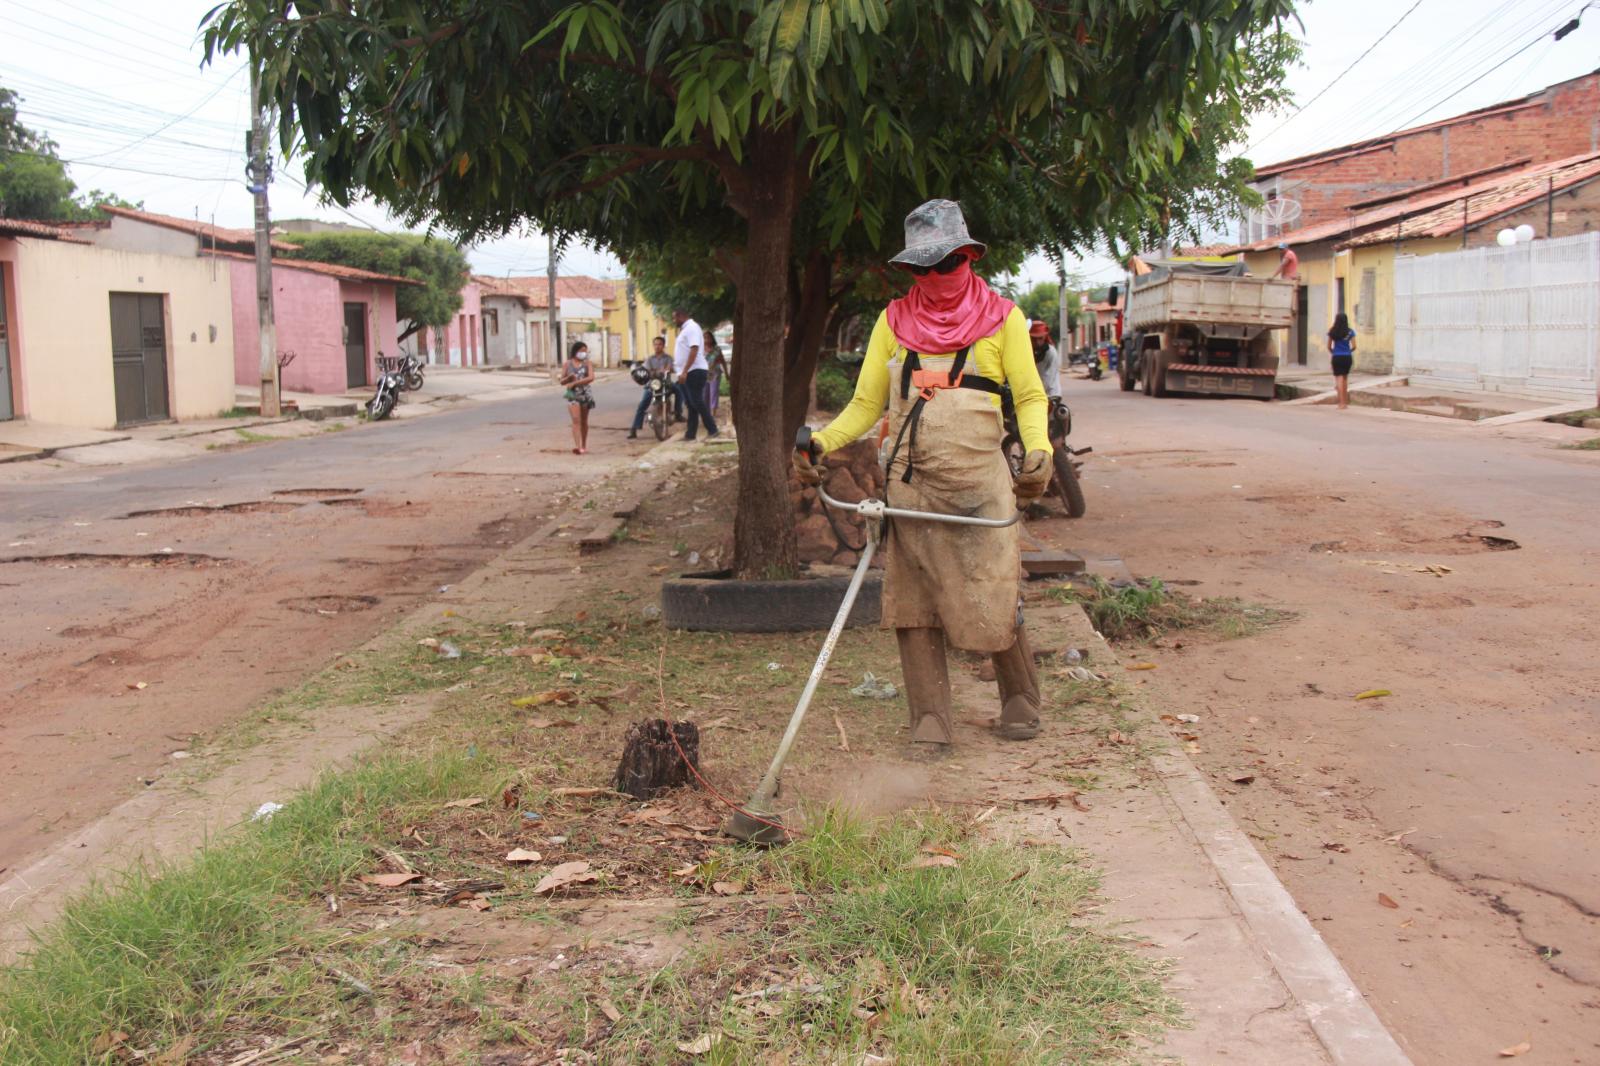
column 1124, row 377
column 1158, row 373
column 1145, row 370
column 1067, row 483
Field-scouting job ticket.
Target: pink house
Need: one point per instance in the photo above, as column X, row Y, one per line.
column 335, row 320
column 459, row 343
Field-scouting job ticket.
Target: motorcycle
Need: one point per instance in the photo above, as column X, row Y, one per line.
column 661, row 393
column 391, row 382
column 411, row 372
column 1089, row 359
column 1064, row 480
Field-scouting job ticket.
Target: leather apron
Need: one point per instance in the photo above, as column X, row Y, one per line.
column 962, row 579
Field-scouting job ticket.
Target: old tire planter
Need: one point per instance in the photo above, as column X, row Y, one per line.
column 714, row 602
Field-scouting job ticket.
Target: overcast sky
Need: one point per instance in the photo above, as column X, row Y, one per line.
column 120, row 89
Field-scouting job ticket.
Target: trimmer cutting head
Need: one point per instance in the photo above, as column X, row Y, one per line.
column 754, row 825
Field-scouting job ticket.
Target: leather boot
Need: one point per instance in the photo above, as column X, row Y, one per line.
column 1019, row 690
column 927, row 678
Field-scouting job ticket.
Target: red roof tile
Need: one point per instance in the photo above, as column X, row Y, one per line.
column 22, row 227
column 536, row 288
column 204, row 230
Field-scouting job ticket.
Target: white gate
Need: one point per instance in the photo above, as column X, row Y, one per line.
column 1520, row 319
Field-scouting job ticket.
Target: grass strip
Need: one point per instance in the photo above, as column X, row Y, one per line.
column 1146, row 609
column 167, row 951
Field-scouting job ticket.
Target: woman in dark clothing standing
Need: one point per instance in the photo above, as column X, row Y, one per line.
column 1342, row 347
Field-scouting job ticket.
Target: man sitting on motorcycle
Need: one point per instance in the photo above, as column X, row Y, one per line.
column 1046, row 358
column 658, row 365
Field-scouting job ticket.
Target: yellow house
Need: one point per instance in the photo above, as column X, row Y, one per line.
column 648, row 322
column 99, row 337
column 1347, row 265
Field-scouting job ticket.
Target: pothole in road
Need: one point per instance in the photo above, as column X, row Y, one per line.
column 1494, row 544
column 1459, row 544
column 315, row 494
column 151, row 561
column 1296, row 497
column 201, row 511
column 330, row 605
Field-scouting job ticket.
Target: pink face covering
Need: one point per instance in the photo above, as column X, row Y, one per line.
column 946, row 312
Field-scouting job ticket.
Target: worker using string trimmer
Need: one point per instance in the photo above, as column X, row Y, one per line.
column 939, row 359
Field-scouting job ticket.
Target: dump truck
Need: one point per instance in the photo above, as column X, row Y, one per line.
column 1205, row 328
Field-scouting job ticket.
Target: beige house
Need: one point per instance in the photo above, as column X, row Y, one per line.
column 99, row 337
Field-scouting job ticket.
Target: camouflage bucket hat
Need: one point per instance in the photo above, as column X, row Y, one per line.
column 933, row 231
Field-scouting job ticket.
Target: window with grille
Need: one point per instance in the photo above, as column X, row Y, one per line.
column 1367, row 303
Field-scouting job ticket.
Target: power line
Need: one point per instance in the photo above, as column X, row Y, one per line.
column 1480, row 77
column 1340, row 76
column 160, row 129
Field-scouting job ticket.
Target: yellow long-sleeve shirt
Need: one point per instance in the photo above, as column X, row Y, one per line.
column 1005, row 357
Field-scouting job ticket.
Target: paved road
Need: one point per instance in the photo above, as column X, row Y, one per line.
column 211, row 611
column 1469, row 795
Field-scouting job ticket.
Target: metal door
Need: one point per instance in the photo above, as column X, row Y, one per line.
column 355, row 345
column 139, row 356
column 7, row 405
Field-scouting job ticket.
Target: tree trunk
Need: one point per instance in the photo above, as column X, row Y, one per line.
column 808, row 325
column 763, row 529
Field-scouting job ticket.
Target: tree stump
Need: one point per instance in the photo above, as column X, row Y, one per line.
column 650, row 760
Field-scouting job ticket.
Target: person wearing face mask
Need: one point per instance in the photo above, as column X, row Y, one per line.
column 939, row 359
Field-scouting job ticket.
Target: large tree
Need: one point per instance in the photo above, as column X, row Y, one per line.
column 439, row 267
column 790, row 135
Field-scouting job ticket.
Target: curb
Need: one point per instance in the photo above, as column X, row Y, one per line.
column 1346, row 1026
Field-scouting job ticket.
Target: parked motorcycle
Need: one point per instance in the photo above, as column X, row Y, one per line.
column 1089, row 359
column 391, row 382
column 411, row 372
column 661, row 393
column 1064, row 481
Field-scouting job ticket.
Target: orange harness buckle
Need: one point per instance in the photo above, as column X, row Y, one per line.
column 928, row 382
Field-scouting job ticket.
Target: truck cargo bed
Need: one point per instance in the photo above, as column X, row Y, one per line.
column 1208, row 300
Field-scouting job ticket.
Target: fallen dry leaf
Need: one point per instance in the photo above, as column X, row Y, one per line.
column 139, row 686
column 177, row 1054
column 390, row 880
column 931, row 849
column 551, row 723
column 1516, row 1049
column 561, row 696
column 587, row 790
column 1055, row 799
column 701, row 1044
column 1117, row 736
column 609, row 1009
column 1387, row 901
column 523, row 855
column 1334, row 845
column 476, row 902
column 1398, row 837
column 1141, row 666
column 727, row 888
column 1373, row 694
column 568, row 873
column 108, row 1040
column 685, row 871
column 985, row 816
column 462, row 804
column 928, row 861
column 1241, row 777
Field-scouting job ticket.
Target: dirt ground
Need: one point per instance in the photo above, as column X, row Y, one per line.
column 1441, row 837
column 149, row 607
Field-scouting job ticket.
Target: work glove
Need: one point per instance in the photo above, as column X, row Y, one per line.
column 1033, row 478
column 806, row 454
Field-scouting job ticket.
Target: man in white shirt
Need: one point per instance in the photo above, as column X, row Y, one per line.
column 689, row 363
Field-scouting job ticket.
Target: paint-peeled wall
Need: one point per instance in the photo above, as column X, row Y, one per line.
column 310, row 323
column 308, row 309
column 61, row 348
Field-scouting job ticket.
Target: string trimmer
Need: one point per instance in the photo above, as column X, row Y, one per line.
column 755, row 821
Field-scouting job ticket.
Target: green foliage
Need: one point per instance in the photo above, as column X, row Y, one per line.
column 684, row 274
column 1146, row 609
column 834, row 388
column 438, row 265
column 33, row 182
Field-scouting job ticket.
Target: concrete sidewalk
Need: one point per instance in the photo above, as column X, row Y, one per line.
column 1396, row 392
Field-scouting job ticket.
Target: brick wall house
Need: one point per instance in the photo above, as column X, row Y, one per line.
column 1557, row 122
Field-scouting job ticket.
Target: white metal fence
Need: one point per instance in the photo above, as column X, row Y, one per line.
column 1520, row 319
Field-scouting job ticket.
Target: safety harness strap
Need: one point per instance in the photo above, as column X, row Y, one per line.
column 928, row 385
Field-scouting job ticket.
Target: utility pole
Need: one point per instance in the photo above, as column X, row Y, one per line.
column 259, row 171
column 633, row 320
column 555, row 308
column 1061, row 300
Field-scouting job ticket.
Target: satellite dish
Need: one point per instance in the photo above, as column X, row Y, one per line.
column 1276, row 215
